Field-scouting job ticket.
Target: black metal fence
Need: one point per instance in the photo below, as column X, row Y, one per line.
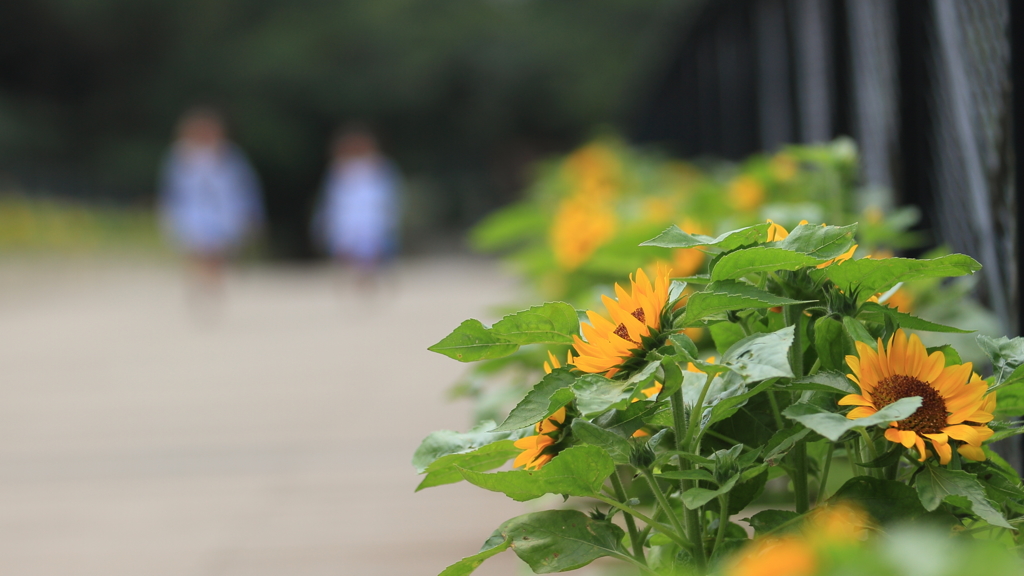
column 923, row 86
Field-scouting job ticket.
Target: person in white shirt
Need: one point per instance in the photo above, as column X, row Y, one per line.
column 209, row 197
column 358, row 219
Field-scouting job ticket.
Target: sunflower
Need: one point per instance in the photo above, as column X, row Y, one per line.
column 746, row 193
column 634, row 316
column 787, row 556
column 954, row 400
column 580, row 227
column 535, row 449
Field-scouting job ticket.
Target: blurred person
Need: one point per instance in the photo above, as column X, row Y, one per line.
column 358, row 217
column 210, row 198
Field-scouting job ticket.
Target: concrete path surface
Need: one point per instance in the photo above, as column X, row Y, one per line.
column 272, row 439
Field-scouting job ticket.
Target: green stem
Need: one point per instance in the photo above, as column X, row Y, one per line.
column 620, row 494
column 800, row 492
column 669, row 532
column 823, row 484
column 723, row 520
column 850, row 453
column 691, row 519
column 868, row 442
column 795, row 317
column 954, row 464
column 779, row 422
column 892, row 469
column 695, row 415
column 732, row 441
column 631, row 524
column 659, row 495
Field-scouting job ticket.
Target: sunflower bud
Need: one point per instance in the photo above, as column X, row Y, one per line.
column 642, row 456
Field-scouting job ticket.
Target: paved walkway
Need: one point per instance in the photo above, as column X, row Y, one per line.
column 274, row 439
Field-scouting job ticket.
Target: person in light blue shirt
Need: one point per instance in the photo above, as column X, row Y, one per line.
column 210, row 198
column 358, row 219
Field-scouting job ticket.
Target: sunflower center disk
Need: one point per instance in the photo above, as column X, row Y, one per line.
column 930, row 418
column 639, row 315
column 622, row 332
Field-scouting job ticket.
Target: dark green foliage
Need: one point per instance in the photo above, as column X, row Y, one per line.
column 92, row 89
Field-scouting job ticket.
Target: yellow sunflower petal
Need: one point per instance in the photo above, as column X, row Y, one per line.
column 972, row 452
column 952, row 378
column 919, row 442
column 884, row 369
column 893, row 435
column 908, row 438
column 940, row 437
column 917, row 356
column 854, row 400
column 898, row 353
column 854, row 363
column 861, row 412
column 931, row 367
column 943, row 450
column 965, row 433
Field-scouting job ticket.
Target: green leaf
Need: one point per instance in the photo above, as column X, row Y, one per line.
column 616, row 446
column 561, row 540
column 756, row 358
column 888, row 459
column 867, row 277
column 767, row 520
column 757, row 259
column 685, row 345
column 674, row 237
column 550, row 323
column 782, row 442
column 951, row 355
column 445, row 470
column 749, row 488
column 821, row 242
column 730, row 295
column 596, row 394
column 761, row 356
column 577, row 471
column 444, row 442
column 628, row 421
column 472, row 341
column 876, row 312
column 725, row 334
column 936, row 484
column 833, row 426
column 831, row 382
column 494, row 545
column 858, row 332
column 508, row 227
column 1007, row 359
column 697, row 474
column 885, row 500
column 1010, row 402
column 696, row 497
column 828, row 343
column 1005, row 429
column 723, row 406
column 550, row 394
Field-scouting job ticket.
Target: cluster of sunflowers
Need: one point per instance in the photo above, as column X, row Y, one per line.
column 818, row 383
column 582, row 222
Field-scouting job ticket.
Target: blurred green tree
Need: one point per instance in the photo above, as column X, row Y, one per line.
column 462, row 92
